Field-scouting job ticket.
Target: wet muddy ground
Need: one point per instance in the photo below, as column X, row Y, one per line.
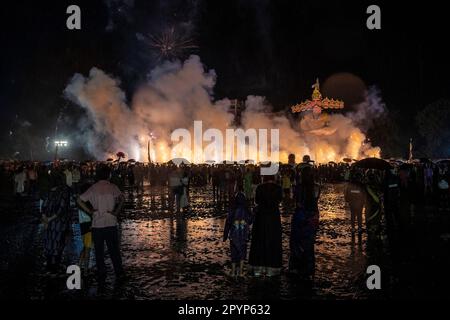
column 183, row 257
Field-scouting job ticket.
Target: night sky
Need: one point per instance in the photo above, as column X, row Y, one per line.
column 270, row 48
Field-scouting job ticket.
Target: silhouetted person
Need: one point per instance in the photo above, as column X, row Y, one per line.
column 355, row 195
column 265, row 250
column 304, row 224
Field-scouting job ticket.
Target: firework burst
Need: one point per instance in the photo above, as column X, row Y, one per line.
column 169, row 44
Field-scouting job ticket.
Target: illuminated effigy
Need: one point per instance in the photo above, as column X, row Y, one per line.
column 317, row 104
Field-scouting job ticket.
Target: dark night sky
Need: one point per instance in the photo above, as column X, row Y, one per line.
column 270, row 48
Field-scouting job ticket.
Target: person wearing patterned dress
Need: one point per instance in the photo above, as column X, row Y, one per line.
column 56, row 217
column 237, row 229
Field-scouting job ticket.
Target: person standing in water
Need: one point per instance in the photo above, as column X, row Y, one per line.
column 355, row 195
column 85, row 221
column 107, row 202
column 304, row 224
column 175, row 188
column 266, row 250
column 237, row 229
column 56, row 218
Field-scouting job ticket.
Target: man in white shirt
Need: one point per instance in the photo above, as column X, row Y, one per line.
column 68, row 174
column 76, row 175
column 19, row 180
column 107, row 202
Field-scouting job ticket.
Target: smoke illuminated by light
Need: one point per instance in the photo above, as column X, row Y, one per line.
column 177, row 94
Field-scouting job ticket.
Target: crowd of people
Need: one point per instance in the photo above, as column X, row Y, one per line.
column 386, row 197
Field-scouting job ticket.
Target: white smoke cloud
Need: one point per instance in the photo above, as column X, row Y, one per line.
column 176, row 94
column 367, row 111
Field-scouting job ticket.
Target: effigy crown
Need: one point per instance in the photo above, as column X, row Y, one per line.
column 316, row 95
column 317, row 104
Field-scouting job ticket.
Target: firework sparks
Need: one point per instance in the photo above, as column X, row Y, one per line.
column 170, row 44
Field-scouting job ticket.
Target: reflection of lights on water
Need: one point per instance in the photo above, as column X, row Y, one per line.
column 166, row 244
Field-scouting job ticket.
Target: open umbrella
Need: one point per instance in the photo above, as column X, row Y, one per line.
column 109, row 160
column 210, row 161
column 444, row 161
column 178, row 161
column 120, row 154
column 348, row 160
column 372, row 163
column 405, row 166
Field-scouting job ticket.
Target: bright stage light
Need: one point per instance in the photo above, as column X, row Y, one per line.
column 61, row 143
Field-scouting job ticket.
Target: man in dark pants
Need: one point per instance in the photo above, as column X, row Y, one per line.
column 373, row 213
column 391, row 202
column 355, row 195
column 107, row 202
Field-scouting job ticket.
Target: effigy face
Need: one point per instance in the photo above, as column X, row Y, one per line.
column 317, row 110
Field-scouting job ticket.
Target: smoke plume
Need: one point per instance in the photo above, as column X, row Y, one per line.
column 178, row 93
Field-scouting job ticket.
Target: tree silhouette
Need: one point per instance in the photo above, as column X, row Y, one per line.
column 433, row 124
